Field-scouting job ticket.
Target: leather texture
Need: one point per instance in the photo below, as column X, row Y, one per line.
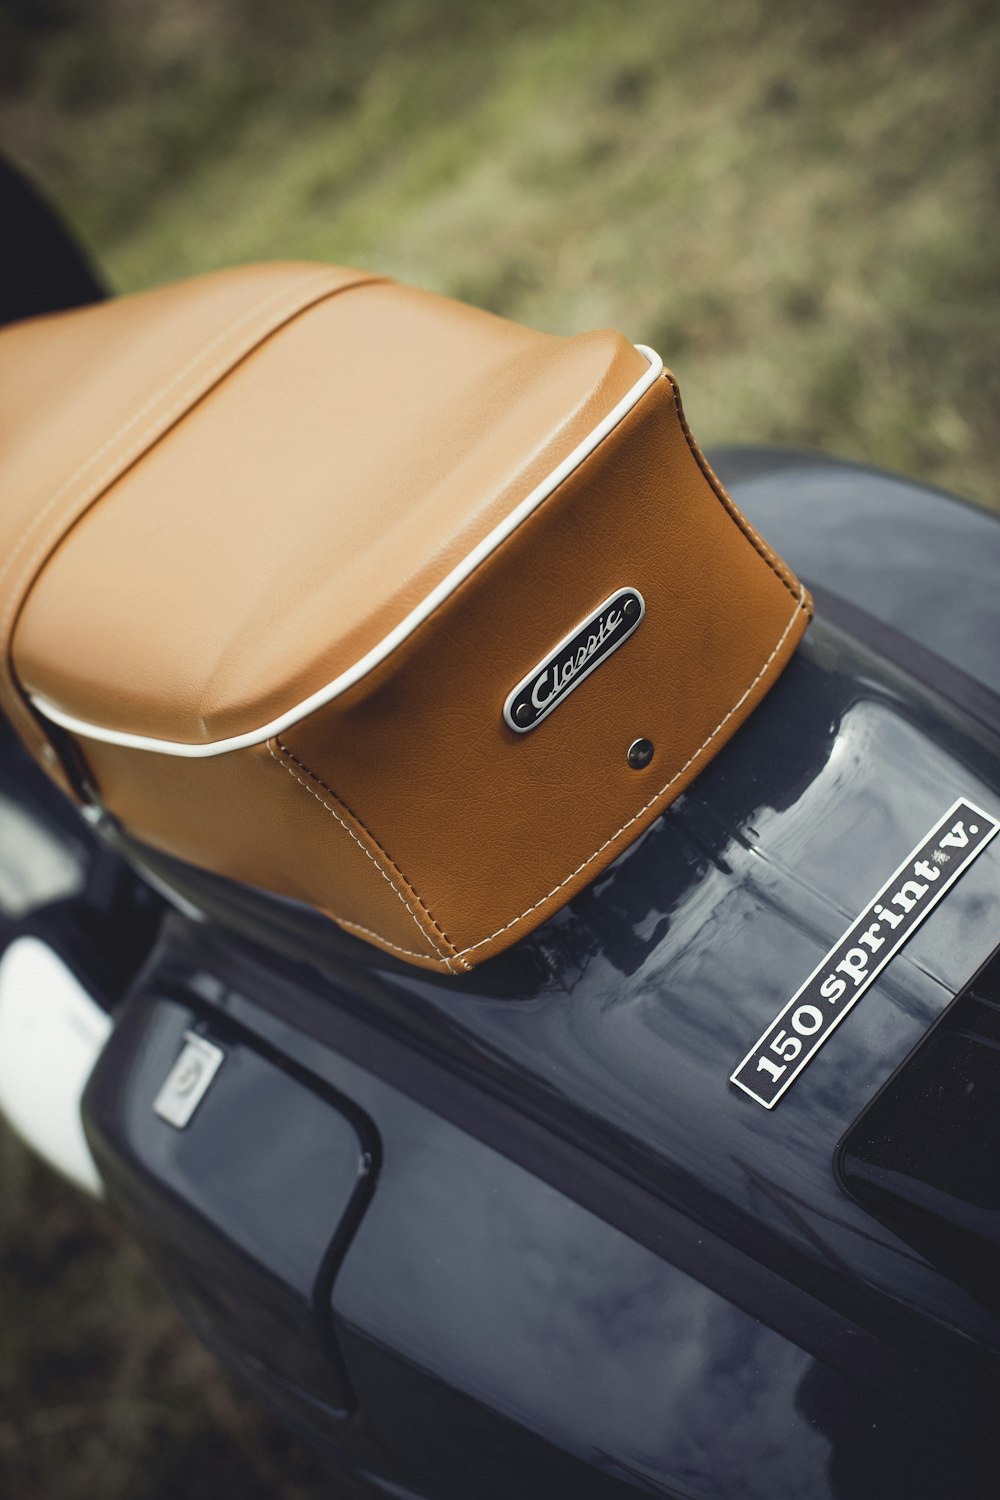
column 221, row 495
column 331, row 480
column 84, row 394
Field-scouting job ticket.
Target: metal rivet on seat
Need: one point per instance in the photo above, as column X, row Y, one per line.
column 640, row 753
column 631, row 608
column 522, row 713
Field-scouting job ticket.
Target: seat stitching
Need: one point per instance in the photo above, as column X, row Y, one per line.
column 290, row 756
column 358, row 927
column 800, row 606
column 347, row 829
column 766, row 553
column 368, row 833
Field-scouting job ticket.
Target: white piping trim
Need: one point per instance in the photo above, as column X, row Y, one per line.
column 396, row 636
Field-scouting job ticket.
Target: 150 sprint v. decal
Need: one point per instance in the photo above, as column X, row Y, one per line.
column 838, row 982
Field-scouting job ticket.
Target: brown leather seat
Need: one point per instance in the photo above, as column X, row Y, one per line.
column 277, row 546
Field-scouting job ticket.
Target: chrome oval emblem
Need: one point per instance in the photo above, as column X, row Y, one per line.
column 576, row 656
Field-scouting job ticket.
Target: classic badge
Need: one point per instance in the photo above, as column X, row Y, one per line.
column 841, row 978
column 575, row 657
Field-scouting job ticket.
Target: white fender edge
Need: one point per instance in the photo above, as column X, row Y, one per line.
column 52, row 1032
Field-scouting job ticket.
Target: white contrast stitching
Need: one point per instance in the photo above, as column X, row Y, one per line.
column 231, row 328
column 752, row 535
column 800, row 606
column 347, row 829
column 357, row 927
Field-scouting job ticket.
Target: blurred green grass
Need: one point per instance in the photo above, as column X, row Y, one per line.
column 796, row 204
column 104, row 1394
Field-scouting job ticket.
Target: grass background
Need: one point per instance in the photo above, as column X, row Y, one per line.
column 795, row 203
column 104, row 1394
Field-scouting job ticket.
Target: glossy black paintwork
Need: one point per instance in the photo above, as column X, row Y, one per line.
column 59, row 883
column 911, row 556
column 589, row 1266
column 242, row 1210
column 491, row 1323
column 632, row 1007
column 925, row 1156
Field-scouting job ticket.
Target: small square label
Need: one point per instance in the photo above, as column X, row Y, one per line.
column 188, row 1081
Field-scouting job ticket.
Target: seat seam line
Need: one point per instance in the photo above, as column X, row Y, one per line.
column 290, row 756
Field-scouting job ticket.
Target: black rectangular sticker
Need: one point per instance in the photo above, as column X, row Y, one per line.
column 838, row 982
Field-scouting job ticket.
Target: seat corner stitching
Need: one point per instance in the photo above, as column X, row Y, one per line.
column 290, row 756
column 776, row 564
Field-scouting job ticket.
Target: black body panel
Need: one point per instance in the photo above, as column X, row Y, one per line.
column 915, row 559
column 516, row 1234
column 925, row 1156
column 589, row 1263
column 243, row 1210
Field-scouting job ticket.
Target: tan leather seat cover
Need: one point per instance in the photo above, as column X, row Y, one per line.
column 220, row 496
